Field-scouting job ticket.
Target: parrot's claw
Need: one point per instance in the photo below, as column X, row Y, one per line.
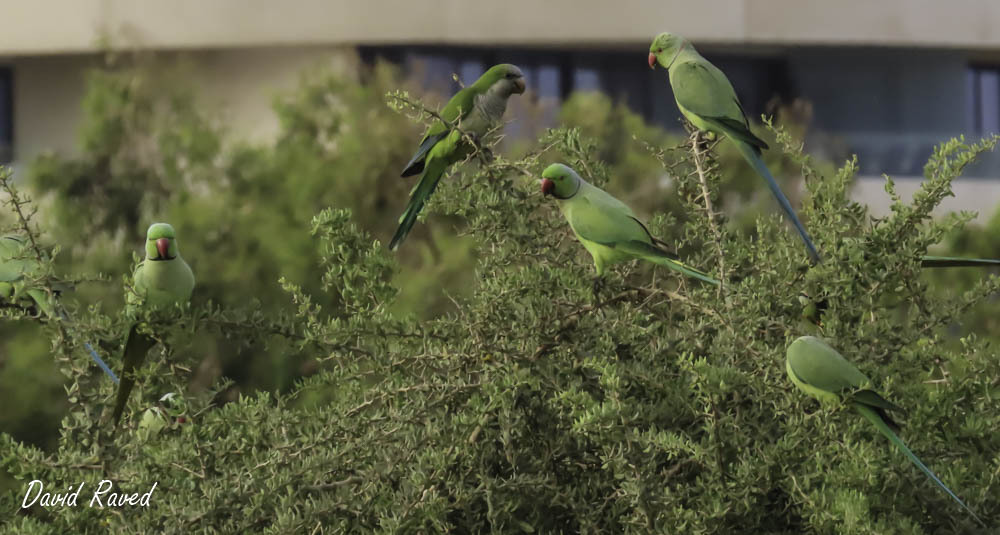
column 598, row 287
column 703, row 140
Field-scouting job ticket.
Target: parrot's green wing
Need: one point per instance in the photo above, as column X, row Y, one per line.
column 874, row 399
column 705, row 96
column 951, row 261
column 137, row 344
column 600, row 218
column 816, row 364
column 457, row 108
column 701, row 88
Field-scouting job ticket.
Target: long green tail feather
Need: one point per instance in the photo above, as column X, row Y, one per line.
column 952, row 261
column 753, row 158
column 136, row 347
column 879, row 424
column 422, row 192
column 649, row 252
column 680, row 267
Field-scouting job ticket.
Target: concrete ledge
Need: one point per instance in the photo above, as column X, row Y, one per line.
column 65, row 26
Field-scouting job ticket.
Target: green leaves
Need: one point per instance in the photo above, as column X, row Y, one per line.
column 357, row 268
column 473, row 383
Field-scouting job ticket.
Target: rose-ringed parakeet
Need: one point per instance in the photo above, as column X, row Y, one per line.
column 606, row 227
column 821, row 372
column 18, row 269
column 161, row 281
column 707, row 99
column 475, row 110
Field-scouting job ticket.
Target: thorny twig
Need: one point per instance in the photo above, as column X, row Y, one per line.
column 18, row 204
column 709, row 209
column 572, row 318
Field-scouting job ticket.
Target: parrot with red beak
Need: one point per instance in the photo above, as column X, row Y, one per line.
column 706, row 98
column 162, row 281
column 606, row 227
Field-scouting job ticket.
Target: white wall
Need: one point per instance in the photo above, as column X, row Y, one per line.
column 237, row 85
column 61, row 26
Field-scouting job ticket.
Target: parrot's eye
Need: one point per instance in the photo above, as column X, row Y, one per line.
column 659, row 50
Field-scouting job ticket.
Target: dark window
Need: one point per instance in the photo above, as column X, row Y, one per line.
column 6, row 115
column 984, row 99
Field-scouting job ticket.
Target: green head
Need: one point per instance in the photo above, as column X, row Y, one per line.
column 665, row 49
column 509, row 78
column 161, row 243
column 560, row 181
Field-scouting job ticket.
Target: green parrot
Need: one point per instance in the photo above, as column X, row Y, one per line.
column 160, row 282
column 16, row 272
column 707, row 99
column 820, row 371
column 476, row 110
column 606, row 227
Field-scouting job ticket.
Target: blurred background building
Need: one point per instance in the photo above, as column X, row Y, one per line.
column 887, row 80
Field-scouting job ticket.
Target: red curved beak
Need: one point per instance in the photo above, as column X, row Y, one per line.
column 652, row 60
column 548, row 186
column 163, row 248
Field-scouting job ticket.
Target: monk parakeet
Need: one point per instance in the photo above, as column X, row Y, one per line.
column 476, row 110
column 707, row 99
column 820, row 371
column 160, row 282
column 17, row 269
column 606, row 227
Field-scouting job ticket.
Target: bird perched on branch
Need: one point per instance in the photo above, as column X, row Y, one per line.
column 473, row 111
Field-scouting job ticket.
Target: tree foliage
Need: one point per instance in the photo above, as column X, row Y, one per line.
column 528, row 404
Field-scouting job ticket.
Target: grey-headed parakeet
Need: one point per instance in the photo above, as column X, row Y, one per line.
column 820, row 371
column 606, row 227
column 161, row 281
column 707, row 99
column 476, row 110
